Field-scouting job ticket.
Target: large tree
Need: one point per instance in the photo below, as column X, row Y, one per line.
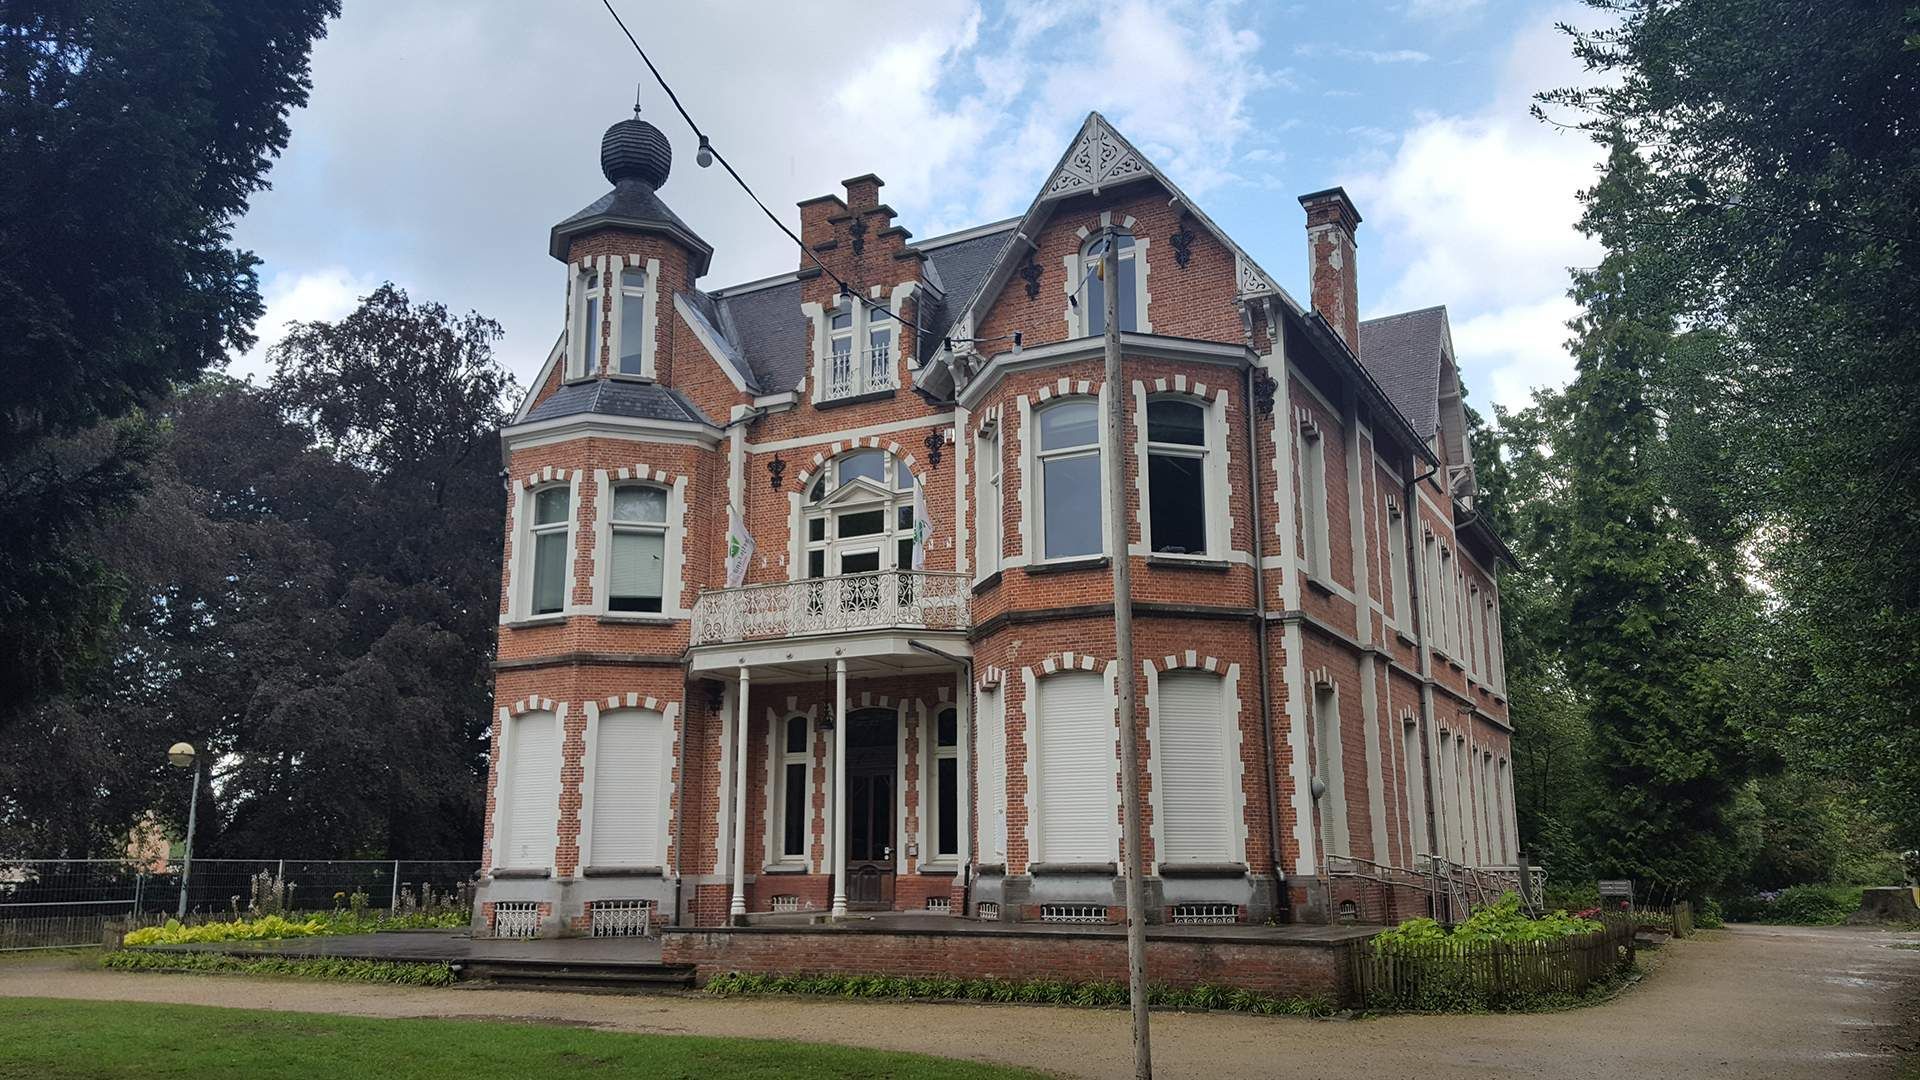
column 131, row 137
column 314, row 584
column 1782, row 183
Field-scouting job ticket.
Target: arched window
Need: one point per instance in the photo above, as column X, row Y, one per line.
column 859, row 516
column 1069, row 479
column 1093, row 301
column 548, row 533
column 1177, row 476
column 639, row 524
column 796, row 758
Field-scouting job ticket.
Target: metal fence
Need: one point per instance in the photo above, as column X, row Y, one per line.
column 52, row 903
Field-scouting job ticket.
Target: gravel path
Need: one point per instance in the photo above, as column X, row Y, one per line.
column 1751, row 1002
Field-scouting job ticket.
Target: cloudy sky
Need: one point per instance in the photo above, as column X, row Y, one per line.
column 445, row 137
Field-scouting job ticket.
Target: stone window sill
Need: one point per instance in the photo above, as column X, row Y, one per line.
column 622, row 871
column 1320, row 585
column 537, row 872
column 856, row 399
column 537, row 620
column 1066, row 566
column 1188, row 562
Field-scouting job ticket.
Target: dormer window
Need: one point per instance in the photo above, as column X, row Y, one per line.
column 1094, row 302
column 860, row 340
column 583, row 334
column 633, row 322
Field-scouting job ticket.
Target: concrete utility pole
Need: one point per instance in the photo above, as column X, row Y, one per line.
column 1114, row 462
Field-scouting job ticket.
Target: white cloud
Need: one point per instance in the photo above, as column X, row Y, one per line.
column 323, row 295
column 1438, row 9
column 445, row 139
column 1372, row 56
column 1478, row 211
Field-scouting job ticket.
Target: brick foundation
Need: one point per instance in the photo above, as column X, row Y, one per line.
column 1287, row 967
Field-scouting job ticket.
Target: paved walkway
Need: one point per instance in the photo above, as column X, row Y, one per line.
column 1832, row 1004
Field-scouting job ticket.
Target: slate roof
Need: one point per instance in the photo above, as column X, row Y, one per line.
column 616, row 397
column 630, row 203
column 764, row 334
column 1402, row 352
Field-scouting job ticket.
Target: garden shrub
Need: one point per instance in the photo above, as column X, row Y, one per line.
column 1799, row 905
column 272, row 927
column 1503, row 921
column 307, row 967
column 1027, row 991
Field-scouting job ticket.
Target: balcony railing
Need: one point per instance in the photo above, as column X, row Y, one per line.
column 852, row 374
column 884, row 600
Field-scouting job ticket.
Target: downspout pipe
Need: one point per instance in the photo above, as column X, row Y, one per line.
column 1260, row 625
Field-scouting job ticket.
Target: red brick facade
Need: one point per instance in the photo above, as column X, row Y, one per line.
column 1420, row 737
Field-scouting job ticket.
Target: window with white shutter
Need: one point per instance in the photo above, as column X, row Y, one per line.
column 627, row 788
column 1195, row 770
column 533, row 794
column 1077, row 769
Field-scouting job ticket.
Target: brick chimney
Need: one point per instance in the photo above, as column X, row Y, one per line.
column 1331, row 222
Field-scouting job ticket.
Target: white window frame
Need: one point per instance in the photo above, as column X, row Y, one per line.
column 779, row 759
column 586, row 315
column 1036, row 480
column 1496, row 645
column 931, row 757
column 673, row 574
column 989, row 502
column 873, row 342
column 1313, row 501
column 1079, row 265
column 1397, row 567
column 824, row 509
column 646, row 292
column 662, row 528
column 1214, row 544
column 1329, row 761
column 1415, row 769
column 527, row 560
column 990, row 750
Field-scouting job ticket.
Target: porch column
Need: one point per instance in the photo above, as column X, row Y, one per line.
column 839, row 789
column 738, row 909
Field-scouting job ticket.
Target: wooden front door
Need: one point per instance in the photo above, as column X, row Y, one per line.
column 872, row 749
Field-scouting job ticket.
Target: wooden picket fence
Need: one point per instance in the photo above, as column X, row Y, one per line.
column 1443, row 976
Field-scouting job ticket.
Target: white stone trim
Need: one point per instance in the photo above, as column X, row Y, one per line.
column 503, row 774
column 1219, row 464
column 1031, row 678
column 669, row 712
column 775, row 781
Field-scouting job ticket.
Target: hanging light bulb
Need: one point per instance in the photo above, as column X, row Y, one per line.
column 704, row 156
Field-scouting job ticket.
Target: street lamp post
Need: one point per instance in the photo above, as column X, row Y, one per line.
column 182, row 755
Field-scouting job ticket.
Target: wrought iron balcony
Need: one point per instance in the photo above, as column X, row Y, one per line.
column 883, row 600
column 850, row 374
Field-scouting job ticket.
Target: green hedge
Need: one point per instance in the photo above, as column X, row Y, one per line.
column 339, row 969
column 1503, row 921
column 1016, row 991
column 273, row 927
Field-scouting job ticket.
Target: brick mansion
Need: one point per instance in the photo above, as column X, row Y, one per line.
column 807, row 595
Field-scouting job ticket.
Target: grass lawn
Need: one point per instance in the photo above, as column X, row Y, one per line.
column 49, row 1040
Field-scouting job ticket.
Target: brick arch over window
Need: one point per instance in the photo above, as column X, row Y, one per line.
column 1089, row 831
column 991, row 678
column 679, row 488
column 548, row 475
column 871, row 442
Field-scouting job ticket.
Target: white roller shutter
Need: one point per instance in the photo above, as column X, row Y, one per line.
column 1077, row 769
column 990, row 732
column 533, row 804
column 626, row 789
column 1191, row 748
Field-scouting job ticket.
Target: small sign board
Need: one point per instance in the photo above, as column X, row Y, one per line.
column 1616, row 890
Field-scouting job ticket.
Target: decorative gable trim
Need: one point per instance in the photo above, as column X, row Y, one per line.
column 1097, row 159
